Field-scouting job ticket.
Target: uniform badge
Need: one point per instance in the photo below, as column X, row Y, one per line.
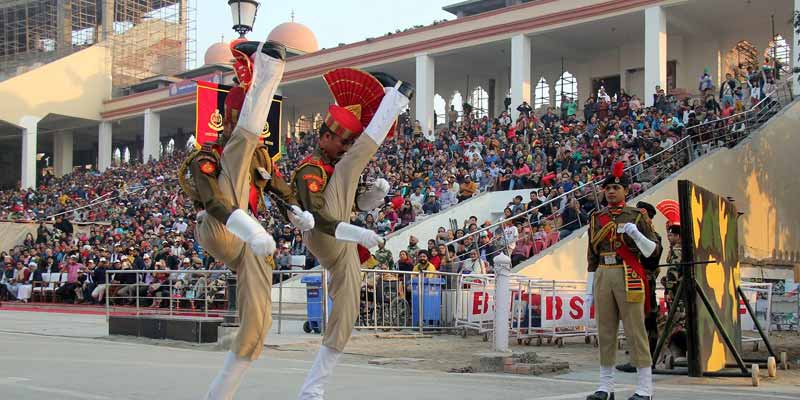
column 208, row 168
column 313, row 186
column 215, row 121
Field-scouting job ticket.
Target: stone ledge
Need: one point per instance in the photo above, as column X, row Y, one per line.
column 523, row 363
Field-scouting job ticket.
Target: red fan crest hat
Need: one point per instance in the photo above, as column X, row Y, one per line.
column 671, row 211
column 343, row 122
column 358, row 95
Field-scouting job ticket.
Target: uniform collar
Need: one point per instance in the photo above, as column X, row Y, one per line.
column 616, row 208
column 318, row 153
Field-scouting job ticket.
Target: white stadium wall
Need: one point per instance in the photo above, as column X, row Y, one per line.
column 486, row 206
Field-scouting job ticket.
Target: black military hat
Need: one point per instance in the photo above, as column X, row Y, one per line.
column 651, row 211
column 674, row 229
column 617, row 176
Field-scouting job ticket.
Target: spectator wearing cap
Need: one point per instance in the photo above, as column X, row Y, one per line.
column 448, row 197
column 100, row 280
column 487, row 248
column 431, row 205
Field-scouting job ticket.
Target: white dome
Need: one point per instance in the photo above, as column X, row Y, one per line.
column 218, row 53
column 294, row 36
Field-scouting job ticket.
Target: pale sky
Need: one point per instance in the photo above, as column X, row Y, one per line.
column 333, row 22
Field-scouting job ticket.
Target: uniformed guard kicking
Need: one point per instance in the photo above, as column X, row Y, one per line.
column 369, row 107
column 226, row 186
column 619, row 237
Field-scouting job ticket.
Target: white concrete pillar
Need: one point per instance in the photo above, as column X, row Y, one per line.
column 63, row 146
column 502, row 301
column 104, row 147
column 152, row 135
column 29, row 136
column 655, row 52
column 623, row 73
column 520, row 73
column 796, row 50
column 500, row 91
column 423, row 110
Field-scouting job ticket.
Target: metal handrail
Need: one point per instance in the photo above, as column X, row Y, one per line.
column 757, row 107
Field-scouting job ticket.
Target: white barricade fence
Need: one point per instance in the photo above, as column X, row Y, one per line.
column 539, row 309
column 759, row 295
column 552, row 310
column 475, row 304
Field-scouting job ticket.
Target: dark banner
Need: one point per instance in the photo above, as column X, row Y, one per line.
column 211, row 110
column 710, row 234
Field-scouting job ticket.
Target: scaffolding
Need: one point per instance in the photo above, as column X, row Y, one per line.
column 146, row 37
column 151, row 38
column 35, row 32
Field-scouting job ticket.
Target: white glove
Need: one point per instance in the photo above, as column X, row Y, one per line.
column 251, row 232
column 645, row 245
column 351, row 233
column 302, row 220
column 263, row 245
column 590, row 284
column 267, row 74
column 374, row 197
column 391, row 106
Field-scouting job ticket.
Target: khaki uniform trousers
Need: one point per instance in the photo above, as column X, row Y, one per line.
column 253, row 273
column 611, row 306
column 338, row 257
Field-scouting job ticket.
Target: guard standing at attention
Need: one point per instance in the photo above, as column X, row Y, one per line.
column 619, row 237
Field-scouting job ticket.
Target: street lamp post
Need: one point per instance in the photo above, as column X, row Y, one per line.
column 244, row 15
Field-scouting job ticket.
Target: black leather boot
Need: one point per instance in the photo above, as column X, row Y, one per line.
column 406, row 88
column 640, row 397
column 272, row 49
column 598, row 395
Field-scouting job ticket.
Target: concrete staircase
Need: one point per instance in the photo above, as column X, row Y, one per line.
column 760, row 173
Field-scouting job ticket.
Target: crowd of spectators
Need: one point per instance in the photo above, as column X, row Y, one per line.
column 136, row 212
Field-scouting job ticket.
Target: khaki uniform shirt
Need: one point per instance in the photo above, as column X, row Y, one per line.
column 310, row 179
column 602, row 248
column 205, row 167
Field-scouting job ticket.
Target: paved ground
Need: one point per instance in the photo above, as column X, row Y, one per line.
column 56, row 356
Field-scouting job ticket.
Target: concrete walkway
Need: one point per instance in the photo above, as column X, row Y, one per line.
column 53, row 356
